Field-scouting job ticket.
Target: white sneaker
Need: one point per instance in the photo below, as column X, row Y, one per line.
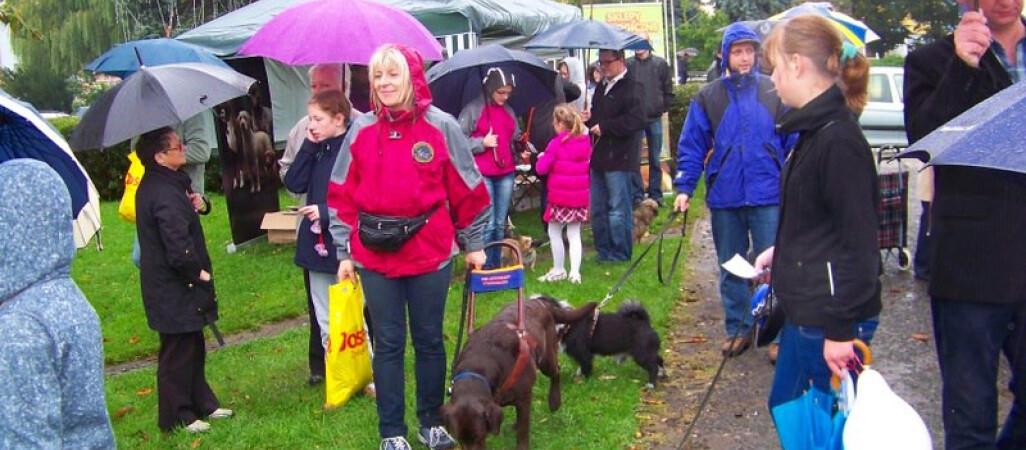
column 553, row 275
column 221, row 413
column 197, row 426
column 575, row 278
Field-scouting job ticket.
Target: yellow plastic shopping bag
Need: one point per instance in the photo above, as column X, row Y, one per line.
column 348, row 360
column 126, row 210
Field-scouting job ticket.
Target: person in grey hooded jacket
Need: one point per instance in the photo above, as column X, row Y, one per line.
column 51, row 347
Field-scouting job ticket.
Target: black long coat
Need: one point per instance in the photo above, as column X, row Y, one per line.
column 620, row 119
column 174, row 252
column 978, row 214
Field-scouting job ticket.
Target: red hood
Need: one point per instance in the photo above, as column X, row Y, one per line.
column 421, row 91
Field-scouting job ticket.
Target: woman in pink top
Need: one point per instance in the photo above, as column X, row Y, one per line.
column 491, row 125
column 566, row 161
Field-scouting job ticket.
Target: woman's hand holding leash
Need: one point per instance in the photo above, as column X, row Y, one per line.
column 762, row 265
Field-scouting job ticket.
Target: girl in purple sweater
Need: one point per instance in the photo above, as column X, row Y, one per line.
column 566, row 162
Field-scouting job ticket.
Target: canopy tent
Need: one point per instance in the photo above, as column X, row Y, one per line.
column 457, row 23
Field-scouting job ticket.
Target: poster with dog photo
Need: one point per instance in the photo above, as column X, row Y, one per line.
column 249, row 163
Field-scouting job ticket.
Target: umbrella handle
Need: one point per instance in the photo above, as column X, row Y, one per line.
column 867, row 359
column 138, row 56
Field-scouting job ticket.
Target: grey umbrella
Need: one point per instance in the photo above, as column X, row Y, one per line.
column 155, row 97
column 988, row 135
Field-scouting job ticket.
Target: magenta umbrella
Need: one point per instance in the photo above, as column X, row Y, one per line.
column 339, row 31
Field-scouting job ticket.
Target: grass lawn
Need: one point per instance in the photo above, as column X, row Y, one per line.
column 264, row 380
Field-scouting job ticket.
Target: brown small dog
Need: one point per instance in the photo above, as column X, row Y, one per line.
column 489, row 358
column 527, row 252
column 644, row 214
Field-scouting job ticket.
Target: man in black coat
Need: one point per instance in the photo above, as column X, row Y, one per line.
column 177, row 288
column 656, row 80
column 978, row 295
column 615, row 121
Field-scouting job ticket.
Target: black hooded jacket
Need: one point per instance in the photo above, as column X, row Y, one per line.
column 826, row 265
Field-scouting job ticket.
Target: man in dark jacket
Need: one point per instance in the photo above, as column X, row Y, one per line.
column 615, row 121
column 177, row 289
column 656, row 80
column 730, row 134
column 978, row 296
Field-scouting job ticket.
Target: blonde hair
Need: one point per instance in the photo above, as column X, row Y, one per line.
column 814, row 37
column 565, row 115
column 389, row 57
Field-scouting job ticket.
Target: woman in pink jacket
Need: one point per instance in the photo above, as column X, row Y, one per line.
column 566, row 161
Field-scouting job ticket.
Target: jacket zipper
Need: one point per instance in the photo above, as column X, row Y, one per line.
column 773, row 154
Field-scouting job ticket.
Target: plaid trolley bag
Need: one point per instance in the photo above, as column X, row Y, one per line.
column 893, row 187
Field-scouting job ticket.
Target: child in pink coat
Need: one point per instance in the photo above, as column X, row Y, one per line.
column 566, row 162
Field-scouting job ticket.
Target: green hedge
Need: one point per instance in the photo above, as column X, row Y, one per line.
column 107, row 167
column 682, row 96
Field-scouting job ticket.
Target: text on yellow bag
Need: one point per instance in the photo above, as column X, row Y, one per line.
column 126, row 210
column 348, row 359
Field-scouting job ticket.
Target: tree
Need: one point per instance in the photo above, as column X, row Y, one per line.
column 736, row 10
column 700, row 31
column 892, row 20
column 62, row 35
column 39, row 87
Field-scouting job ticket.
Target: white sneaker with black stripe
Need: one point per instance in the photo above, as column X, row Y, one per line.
column 436, row 438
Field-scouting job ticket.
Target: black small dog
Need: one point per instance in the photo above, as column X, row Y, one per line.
column 628, row 331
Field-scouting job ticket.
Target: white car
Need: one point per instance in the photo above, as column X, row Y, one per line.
column 883, row 119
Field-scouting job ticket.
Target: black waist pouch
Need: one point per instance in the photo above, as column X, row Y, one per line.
column 388, row 233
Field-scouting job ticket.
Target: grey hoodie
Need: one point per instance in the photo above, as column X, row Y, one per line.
column 51, row 349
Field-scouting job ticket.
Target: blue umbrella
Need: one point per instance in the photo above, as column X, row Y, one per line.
column 457, row 81
column 988, row 135
column 809, row 423
column 589, row 34
column 124, row 59
column 25, row 134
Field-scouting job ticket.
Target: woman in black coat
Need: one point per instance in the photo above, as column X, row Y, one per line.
column 177, row 288
column 826, row 262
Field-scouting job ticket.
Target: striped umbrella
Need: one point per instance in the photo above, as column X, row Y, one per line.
column 854, row 30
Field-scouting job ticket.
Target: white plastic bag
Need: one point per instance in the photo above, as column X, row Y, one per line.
column 880, row 420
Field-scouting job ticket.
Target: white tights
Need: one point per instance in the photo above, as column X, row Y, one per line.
column 573, row 234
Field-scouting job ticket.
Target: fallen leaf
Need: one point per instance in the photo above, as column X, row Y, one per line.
column 637, row 435
column 653, row 401
column 921, row 337
column 695, row 340
column 122, row 411
column 196, row 443
column 144, row 391
column 133, row 340
column 607, row 377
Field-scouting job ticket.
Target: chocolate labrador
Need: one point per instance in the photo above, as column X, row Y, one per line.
column 489, row 375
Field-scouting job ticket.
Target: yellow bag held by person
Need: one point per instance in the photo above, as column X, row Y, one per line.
column 348, row 359
column 126, row 210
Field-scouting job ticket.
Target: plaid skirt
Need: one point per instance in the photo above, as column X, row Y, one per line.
column 563, row 214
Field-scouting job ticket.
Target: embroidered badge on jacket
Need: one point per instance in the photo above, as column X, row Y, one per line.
column 423, row 153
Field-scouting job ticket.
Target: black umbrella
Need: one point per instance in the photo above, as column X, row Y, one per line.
column 458, row 80
column 155, row 97
column 589, row 34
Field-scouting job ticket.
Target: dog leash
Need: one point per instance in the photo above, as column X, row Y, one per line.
column 761, row 313
column 463, row 320
column 676, row 253
column 634, row 265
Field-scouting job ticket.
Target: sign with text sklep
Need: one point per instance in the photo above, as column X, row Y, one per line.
column 634, row 17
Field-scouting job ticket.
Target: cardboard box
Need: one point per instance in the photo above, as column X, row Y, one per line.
column 281, row 226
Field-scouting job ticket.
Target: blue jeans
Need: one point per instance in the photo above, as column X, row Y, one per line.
column 732, row 230
column 611, row 219
column 970, row 338
column 389, row 299
column 654, row 135
column 500, row 190
column 801, row 362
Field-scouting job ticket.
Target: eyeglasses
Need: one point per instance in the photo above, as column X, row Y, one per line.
column 606, row 62
column 180, row 148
